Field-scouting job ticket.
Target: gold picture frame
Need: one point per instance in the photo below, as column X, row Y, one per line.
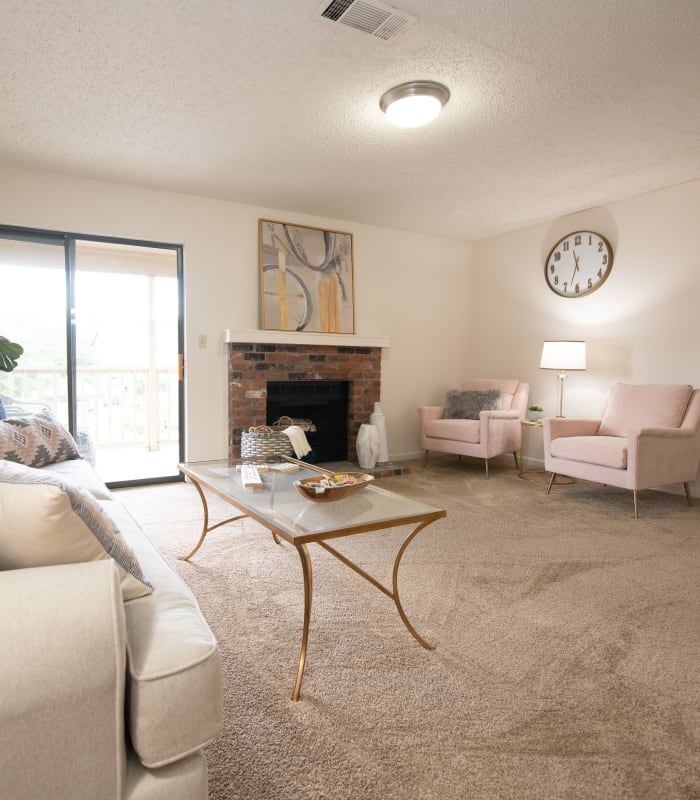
column 306, row 278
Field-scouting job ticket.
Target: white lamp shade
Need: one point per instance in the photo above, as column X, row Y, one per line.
column 563, row 355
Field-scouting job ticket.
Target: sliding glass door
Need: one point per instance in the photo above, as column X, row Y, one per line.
column 101, row 325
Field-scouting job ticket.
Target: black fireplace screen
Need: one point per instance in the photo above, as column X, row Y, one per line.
column 325, row 403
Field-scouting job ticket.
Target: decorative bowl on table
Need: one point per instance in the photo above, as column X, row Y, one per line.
column 332, row 486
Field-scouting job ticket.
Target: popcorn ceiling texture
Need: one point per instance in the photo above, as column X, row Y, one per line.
column 555, row 106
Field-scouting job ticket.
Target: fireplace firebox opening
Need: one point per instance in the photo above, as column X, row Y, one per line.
column 324, row 402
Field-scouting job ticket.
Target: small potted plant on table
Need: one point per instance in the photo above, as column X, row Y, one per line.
column 535, row 413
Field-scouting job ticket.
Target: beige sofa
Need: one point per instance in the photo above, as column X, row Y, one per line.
column 100, row 696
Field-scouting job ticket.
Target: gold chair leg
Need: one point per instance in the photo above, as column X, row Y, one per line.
column 551, row 482
column 425, row 460
column 636, row 510
column 486, row 464
column 515, row 456
column 687, row 492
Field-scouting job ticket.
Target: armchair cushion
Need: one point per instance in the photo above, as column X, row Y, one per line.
column 469, row 404
column 606, row 451
column 458, row 430
column 632, row 408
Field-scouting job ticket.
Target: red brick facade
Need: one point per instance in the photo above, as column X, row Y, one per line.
column 251, row 366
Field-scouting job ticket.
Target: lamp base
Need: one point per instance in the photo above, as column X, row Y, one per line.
column 562, row 378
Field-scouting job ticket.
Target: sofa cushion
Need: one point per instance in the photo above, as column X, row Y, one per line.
column 631, row 408
column 174, row 668
column 603, row 451
column 459, row 430
column 469, row 404
column 36, row 440
column 81, row 472
column 45, row 520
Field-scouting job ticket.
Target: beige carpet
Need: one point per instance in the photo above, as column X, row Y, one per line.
column 567, row 634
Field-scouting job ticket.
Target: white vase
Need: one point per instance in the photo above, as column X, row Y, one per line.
column 367, row 446
column 377, row 419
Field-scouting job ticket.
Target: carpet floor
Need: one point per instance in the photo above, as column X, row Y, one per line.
column 566, row 634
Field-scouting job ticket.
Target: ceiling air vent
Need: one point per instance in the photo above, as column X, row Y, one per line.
column 377, row 19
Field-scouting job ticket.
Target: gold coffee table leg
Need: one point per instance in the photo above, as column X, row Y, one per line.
column 303, row 551
column 393, row 593
column 395, row 584
column 205, row 524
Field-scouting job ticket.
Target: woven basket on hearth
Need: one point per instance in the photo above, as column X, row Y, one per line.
column 263, row 441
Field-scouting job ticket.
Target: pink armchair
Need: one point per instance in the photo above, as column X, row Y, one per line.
column 647, row 436
column 492, row 433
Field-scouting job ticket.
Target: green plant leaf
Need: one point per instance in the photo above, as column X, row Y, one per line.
column 9, row 353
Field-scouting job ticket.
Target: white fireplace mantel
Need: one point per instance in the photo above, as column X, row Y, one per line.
column 296, row 337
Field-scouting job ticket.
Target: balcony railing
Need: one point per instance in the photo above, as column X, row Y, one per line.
column 116, row 407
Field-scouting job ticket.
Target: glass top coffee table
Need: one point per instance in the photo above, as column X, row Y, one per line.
column 298, row 520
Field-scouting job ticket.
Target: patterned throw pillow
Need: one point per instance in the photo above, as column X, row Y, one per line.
column 467, row 405
column 36, row 440
column 46, row 520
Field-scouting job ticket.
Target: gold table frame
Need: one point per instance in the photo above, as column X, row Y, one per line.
column 300, row 541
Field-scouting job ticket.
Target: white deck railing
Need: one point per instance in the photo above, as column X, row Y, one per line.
column 116, row 406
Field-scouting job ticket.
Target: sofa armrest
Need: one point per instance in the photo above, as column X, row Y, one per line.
column 558, row 427
column 659, row 456
column 501, row 414
column 63, row 663
column 677, row 435
column 429, row 413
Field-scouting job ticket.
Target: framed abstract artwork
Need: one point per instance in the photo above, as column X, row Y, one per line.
column 306, row 278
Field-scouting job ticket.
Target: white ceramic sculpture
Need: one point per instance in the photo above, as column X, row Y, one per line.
column 376, row 418
column 367, row 446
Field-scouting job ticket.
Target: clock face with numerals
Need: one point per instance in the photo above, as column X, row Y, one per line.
column 578, row 264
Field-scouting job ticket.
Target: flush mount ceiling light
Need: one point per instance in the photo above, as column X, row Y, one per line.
column 415, row 103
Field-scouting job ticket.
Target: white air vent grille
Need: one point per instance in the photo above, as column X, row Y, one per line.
column 372, row 17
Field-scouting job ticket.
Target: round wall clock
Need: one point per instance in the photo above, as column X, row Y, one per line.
column 578, row 264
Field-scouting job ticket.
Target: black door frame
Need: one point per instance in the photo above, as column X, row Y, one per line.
column 68, row 240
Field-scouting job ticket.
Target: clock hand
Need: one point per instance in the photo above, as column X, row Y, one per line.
column 575, row 268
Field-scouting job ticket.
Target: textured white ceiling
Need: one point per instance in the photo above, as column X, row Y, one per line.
column 557, row 105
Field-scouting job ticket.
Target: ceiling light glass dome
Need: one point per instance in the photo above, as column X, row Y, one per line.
column 415, row 103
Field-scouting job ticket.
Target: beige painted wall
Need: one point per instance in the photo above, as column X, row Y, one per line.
column 410, row 288
column 641, row 326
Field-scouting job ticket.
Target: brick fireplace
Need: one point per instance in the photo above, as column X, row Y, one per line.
column 252, row 364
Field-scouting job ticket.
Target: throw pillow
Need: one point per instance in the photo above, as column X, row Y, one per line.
column 46, row 520
column 468, row 405
column 36, row 440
